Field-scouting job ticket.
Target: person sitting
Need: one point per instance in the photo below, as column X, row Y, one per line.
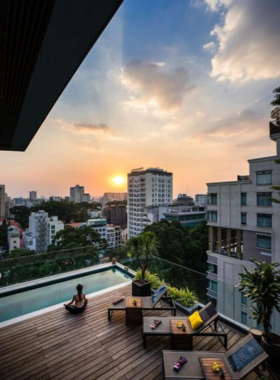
column 80, row 302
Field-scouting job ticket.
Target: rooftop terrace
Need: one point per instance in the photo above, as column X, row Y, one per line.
column 58, row 345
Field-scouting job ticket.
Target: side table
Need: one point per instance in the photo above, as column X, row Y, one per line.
column 134, row 312
column 181, row 340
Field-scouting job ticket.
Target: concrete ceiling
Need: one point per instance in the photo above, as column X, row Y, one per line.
column 42, row 44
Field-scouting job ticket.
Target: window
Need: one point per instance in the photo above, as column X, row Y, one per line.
column 244, row 300
column 263, row 199
column 243, row 318
column 212, row 216
column 243, row 218
column 264, row 220
column 264, row 241
column 264, row 178
column 212, row 285
column 243, row 199
column 212, row 199
column 212, row 268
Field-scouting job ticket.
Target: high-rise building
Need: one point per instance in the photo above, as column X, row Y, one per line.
column 2, row 200
column 38, row 226
column 114, row 236
column 200, row 199
column 54, row 225
column 100, row 226
column 109, row 197
column 32, row 195
column 77, row 193
column 243, row 223
column 150, row 187
column 86, row 198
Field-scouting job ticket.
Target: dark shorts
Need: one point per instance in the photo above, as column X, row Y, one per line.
column 76, row 310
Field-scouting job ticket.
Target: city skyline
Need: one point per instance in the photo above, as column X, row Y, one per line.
column 163, row 86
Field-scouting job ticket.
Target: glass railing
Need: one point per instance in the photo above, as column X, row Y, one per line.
column 21, row 269
column 225, row 296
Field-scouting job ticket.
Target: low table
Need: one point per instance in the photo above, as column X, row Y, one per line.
column 192, row 370
column 165, row 328
column 209, row 374
column 181, row 340
column 134, row 312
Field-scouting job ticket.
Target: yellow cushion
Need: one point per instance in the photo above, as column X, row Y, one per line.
column 195, row 320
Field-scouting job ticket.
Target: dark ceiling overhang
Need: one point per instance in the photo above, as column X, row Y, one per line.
column 42, row 44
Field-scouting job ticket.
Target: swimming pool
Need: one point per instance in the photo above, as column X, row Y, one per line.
column 27, row 301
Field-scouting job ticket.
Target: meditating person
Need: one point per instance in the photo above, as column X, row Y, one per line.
column 80, row 302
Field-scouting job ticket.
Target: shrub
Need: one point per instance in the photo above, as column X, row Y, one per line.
column 153, row 278
column 185, row 296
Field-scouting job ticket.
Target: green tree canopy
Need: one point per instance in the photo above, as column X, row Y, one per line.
column 275, row 113
column 21, row 253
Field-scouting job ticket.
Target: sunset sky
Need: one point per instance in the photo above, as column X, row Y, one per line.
column 184, row 85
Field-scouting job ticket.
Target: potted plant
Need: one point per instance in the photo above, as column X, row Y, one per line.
column 262, row 286
column 142, row 248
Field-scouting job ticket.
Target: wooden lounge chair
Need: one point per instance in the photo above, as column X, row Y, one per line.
column 242, row 359
column 147, row 303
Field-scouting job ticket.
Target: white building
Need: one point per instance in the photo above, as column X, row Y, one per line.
column 150, row 187
column 77, row 194
column 38, row 226
column 155, row 214
column 243, row 223
column 100, row 226
column 54, row 225
column 200, row 199
column 114, row 236
column 2, row 200
column 189, row 216
column 13, row 238
column 29, row 240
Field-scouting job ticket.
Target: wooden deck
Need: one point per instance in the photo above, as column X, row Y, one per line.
column 58, row 345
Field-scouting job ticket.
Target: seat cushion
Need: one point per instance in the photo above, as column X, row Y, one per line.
column 195, row 320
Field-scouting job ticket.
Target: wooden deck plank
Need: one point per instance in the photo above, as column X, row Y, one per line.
column 57, row 345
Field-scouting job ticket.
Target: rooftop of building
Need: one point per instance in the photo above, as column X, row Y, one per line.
column 156, row 171
column 47, row 346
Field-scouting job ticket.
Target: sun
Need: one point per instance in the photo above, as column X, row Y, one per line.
column 118, row 180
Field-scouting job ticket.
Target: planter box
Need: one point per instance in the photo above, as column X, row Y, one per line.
column 140, row 289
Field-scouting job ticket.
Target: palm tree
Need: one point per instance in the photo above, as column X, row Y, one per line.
column 143, row 247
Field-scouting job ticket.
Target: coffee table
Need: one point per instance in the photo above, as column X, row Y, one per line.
column 134, row 312
column 192, row 370
column 182, row 339
column 209, row 374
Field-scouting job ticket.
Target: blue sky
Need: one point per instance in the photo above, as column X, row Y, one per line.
column 183, row 85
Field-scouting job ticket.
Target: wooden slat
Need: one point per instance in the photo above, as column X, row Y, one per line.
column 58, row 345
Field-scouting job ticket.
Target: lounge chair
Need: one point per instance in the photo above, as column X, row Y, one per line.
column 147, row 303
column 242, row 359
column 208, row 314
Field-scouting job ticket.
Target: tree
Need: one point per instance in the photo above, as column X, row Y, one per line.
column 17, row 252
column 3, row 234
column 143, row 247
column 275, row 113
column 262, row 286
column 21, row 215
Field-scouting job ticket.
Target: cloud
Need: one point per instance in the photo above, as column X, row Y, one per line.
column 210, row 46
column 214, row 5
column 85, row 128
column 244, row 121
column 103, row 128
column 153, row 84
column 248, row 41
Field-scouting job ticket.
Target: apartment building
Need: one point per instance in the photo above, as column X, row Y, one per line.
column 29, row 241
column 243, row 223
column 150, row 187
column 114, row 236
column 189, row 216
column 53, row 226
column 2, row 200
column 200, row 199
column 32, row 195
column 116, row 214
column 13, row 238
column 77, row 194
column 100, row 226
column 184, row 200
column 38, row 226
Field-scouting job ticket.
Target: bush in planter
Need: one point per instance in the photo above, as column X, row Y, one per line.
column 184, row 296
column 153, row 278
column 262, row 286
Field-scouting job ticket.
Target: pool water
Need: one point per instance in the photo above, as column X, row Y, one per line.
column 28, row 301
